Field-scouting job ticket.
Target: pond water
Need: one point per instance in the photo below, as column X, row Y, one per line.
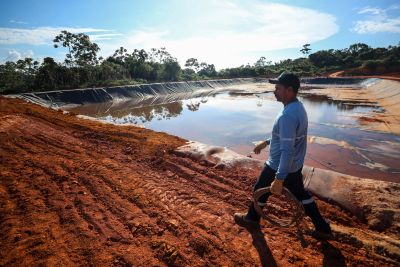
column 236, row 119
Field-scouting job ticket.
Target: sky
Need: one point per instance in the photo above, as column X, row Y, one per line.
column 226, row 33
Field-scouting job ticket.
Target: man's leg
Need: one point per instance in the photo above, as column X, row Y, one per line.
column 294, row 182
column 265, row 179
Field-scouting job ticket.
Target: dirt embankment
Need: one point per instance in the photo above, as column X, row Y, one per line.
column 384, row 94
column 388, row 76
column 79, row 192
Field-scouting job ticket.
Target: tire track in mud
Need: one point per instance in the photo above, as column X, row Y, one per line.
column 95, row 194
column 228, row 228
column 173, row 207
column 31, row 212
column 94, row 189
column 53, row 175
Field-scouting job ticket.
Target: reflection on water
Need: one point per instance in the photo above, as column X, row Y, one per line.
column 220, row 118
column 239, row 118
column 147, row 114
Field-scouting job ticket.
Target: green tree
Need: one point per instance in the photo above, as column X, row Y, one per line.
column 171, row 70
column 81, row 51
column 324, row 58
column 47, row 77
column 207, row 70
column 192, row 63
column 306, row 49
column 119, row 56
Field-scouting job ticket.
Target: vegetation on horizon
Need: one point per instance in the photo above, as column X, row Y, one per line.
column 82, row 68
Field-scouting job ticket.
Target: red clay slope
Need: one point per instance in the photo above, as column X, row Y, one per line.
column 388, row 76
column 78, row 192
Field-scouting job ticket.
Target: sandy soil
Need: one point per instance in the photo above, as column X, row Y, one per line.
column 384, row 94
column 389, row 76
column 79, row 192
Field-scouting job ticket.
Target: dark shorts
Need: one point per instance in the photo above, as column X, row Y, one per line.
column 293, row 182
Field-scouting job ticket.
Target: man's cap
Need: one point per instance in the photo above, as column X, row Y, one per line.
column 287, row 79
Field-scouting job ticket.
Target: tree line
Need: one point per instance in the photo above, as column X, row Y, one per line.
column 83, row 68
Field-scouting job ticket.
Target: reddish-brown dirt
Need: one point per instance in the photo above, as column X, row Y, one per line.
column 389, row 76
column 78, row 192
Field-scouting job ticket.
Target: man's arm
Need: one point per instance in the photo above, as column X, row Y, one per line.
column 260, row 146
column 287, row 132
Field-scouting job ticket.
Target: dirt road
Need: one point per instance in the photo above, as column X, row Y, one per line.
column 389, row 76
column 78, row 192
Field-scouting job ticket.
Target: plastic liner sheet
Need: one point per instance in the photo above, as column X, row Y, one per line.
column 122, row 93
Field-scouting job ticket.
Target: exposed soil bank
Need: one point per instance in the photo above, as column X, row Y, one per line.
column 79, row 192
column 388, row 76
column 383, row 93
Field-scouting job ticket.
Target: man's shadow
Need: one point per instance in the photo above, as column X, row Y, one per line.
column 332, row 255
column 259, row 242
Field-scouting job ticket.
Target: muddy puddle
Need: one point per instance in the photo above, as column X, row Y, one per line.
column 237, row 118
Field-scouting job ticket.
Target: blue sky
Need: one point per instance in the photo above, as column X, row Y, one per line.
column 226, row 33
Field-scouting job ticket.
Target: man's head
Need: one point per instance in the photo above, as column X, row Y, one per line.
column 286, row 87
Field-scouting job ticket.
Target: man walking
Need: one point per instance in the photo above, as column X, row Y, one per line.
column 287, row 150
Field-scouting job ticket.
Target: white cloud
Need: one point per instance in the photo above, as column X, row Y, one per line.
column 104, row 36
column 18, row 21
column 372, row 10
column 377, row 20
column 14, row 55
column 226, row 33
column 229, row 33
column 38, row 36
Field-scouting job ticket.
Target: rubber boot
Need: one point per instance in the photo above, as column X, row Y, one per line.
column 252, row 213
column 322, row 227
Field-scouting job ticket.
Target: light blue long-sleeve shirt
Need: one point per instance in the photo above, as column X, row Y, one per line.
column 288, row 143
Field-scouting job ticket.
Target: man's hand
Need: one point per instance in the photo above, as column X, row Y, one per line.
column 277, row 187
column 260, row 146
